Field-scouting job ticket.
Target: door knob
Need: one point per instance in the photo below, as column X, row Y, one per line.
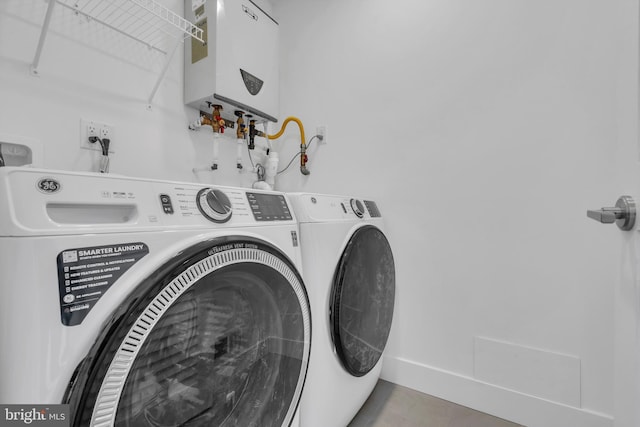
column 623, row 214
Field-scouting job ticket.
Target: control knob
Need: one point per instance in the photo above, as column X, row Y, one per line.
column 214, row 205
column 358, row 207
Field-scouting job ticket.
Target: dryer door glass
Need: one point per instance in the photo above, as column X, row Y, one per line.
column 362, row 300
column 224, row 343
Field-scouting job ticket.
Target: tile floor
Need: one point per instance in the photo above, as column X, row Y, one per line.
column 391, row 405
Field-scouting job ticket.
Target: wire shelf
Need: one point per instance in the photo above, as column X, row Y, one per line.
column 145, row 21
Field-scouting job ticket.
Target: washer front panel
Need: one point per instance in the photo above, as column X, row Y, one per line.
column 224, row 342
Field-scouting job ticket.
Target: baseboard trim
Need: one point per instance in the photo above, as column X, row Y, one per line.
column 530, row 411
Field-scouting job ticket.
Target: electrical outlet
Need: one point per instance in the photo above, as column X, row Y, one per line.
column 321, row 131
column 91, row 128
column 105, row 132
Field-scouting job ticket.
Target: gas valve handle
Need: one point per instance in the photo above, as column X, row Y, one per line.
column 623, row 214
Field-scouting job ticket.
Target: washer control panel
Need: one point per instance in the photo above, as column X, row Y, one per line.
column 50, row 202
column 269, row 207
column 214, row 205
column 219, row 204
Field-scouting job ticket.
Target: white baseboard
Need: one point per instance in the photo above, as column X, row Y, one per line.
column 514, row 406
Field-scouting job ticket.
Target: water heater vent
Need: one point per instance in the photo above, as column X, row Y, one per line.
column 252, row 83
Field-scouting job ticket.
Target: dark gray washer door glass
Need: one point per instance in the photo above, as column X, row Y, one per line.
column 227, row 353
column 362, row 300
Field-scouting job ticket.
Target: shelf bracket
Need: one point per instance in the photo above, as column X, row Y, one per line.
column 167, row 63
column 43, row 36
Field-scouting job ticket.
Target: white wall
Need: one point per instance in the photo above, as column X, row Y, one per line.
column 480, row 127
column 483, row 129
column 87, row 71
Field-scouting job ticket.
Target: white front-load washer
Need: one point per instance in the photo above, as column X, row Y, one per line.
column 349, row 272
column 150, row 303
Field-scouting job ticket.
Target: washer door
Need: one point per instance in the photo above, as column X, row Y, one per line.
column 219, row 337
column 362, row 300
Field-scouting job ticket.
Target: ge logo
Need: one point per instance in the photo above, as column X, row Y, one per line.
column 48, row 185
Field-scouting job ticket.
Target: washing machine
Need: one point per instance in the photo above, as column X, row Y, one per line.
column 140, row 302
column 349, row 272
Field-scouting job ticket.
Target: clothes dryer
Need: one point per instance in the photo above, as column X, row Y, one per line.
column 150, row 303
column 350, row 276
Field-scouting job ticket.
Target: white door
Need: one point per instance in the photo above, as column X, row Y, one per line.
column 626, row 283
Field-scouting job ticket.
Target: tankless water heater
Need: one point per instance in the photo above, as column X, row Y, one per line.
column 237, row 66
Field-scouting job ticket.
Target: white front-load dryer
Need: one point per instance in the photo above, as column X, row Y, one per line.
column 349, row 272
column 150, row 303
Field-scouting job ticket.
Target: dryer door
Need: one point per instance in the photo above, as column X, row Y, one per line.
column 362, row 300
column 218, row 337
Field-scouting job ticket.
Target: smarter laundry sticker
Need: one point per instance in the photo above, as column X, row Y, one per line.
column 85, row 274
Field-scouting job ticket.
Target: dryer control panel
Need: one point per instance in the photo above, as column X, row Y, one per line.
column 322, row 207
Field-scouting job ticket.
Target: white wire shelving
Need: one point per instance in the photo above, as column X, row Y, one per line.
column 143, row 21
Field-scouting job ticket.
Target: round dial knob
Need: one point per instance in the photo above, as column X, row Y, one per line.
column 214, row 205
column 357, row 207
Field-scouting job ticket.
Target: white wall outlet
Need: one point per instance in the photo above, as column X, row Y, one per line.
column 92, row 130
column 321, row 131
column 105, row 132
column 89, row 128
